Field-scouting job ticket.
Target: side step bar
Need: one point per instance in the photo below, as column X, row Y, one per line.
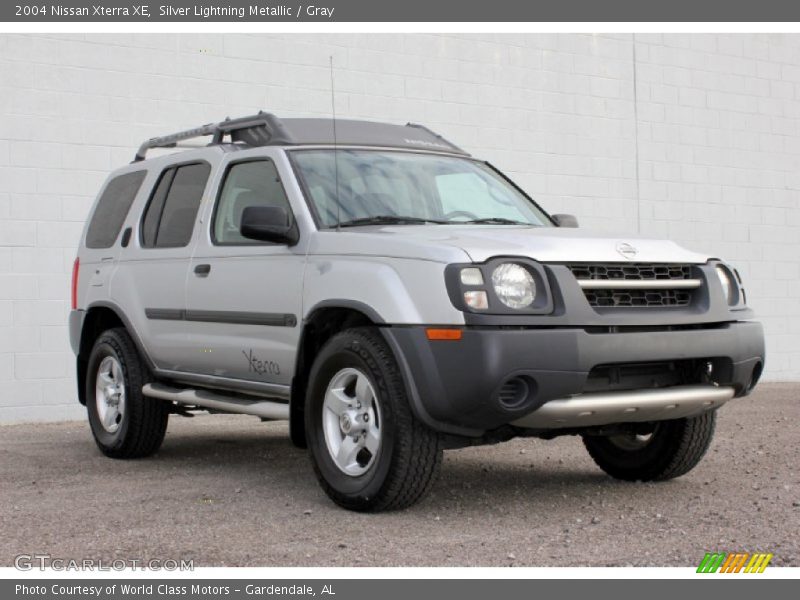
column 605, row 408
column 207, row 399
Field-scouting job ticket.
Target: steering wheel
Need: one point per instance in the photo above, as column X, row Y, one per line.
column 459, row 213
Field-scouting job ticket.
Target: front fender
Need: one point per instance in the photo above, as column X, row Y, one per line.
column 394, row 291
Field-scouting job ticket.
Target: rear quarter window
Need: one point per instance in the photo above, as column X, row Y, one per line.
column 112, row 209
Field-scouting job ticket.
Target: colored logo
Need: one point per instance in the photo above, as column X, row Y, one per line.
column 734, row 562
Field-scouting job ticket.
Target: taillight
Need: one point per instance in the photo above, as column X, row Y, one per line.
column 76, row 266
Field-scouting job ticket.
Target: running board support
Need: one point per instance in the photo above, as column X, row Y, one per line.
column 265, row 409
column 606, row 408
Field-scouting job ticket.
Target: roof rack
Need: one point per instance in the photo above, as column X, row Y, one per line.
column 256, row 130
column 434, row 134
column 265, row 129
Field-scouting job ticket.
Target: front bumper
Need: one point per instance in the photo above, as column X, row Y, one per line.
column 456, row 386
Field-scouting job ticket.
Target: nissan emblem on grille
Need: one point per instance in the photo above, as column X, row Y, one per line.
column 627, row 250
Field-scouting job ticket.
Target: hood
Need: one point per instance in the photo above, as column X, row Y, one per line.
column 449, row 243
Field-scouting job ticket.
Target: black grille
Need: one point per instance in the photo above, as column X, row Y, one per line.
column 612, row 297
column 633, row 376
column 648, row 298
column 636, row 271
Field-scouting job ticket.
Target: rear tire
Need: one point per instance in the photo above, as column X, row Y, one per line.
column 124, row 422
column 673, row 449
column 368, row 450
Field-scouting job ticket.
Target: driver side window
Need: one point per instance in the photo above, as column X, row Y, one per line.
column 250, row 183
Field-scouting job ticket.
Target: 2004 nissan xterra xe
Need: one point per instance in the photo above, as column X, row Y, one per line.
column 391, row 296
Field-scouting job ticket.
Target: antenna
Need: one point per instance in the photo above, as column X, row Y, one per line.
column 335, row 151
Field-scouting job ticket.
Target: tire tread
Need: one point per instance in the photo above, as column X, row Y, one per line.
column 417, row 453
column 694, row 441
column 687, row 441
column 147, row 417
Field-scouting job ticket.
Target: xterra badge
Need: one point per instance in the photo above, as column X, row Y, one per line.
column 261, row 367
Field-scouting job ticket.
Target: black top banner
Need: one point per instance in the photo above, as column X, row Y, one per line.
column 462, row 11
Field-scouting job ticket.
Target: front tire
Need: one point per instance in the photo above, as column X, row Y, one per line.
column 124, row 422
column 672, row 449
column 368, row 450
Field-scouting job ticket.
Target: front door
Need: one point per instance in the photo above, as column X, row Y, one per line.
column 244, row 297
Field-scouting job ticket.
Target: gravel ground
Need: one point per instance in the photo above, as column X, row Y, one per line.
column 228, row 490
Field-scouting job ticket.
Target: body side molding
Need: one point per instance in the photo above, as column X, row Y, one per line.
column 222, row 316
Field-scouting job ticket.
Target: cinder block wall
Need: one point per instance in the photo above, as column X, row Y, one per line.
column 691, row 137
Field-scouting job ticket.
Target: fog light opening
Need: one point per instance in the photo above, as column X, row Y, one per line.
column 516, row 392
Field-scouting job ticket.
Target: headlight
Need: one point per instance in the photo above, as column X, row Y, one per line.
column 501, row 286
column 471, row 276
column 727, row 283
column 514, row 285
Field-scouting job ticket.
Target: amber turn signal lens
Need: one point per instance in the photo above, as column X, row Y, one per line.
column 444, row 334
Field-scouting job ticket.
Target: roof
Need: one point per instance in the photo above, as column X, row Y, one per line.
column 265, row 129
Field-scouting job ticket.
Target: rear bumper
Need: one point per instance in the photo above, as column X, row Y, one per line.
column 455, row 385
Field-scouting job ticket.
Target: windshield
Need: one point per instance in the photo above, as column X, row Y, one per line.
column 386, row 187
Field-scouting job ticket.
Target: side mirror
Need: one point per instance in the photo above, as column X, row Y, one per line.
column 268, row 224
column 565, row 220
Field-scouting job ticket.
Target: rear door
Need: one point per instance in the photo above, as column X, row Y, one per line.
column 244, row 297
column 150, row 281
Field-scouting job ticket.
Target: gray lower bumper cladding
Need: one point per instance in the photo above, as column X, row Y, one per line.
column 462, row 387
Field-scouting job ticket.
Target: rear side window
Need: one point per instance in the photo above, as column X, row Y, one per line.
column 153, row 213
column 112, row 208
column 169, row 218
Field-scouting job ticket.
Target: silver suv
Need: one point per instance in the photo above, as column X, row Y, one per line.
column 391, row 296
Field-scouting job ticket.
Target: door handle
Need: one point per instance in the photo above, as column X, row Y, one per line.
column 202, row 270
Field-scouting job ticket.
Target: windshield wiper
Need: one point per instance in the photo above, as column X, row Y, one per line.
column 496, row 221
column 388, row 220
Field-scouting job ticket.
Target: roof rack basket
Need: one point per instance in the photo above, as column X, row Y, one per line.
column 256, row 130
